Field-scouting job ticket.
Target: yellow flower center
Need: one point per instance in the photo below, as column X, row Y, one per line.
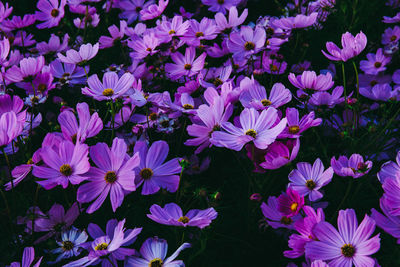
column 108, row 92
column 171, row 32
column 294, row 206
column 188, row 106
column 310, row 184
column 157, row 262
column 110, row 177
column 294, row 129
column 249, row 46
column 199, row 34
column 348, row 250
column 146, row 173
column 266, row 102
column 183, row 219
column 66, row 169
column 101, row 246
column 251, row 132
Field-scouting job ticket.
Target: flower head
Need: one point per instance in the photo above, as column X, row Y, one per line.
column 353, row 166
column 290, row 203
column 86, row 52
column 352, row 46
column 51, row 12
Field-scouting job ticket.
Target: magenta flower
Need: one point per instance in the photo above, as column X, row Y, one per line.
column 299, row 21
column 296, row 126
column 290, row 203
column 10, row 128
column 54, row 45
column 280, row 153
column 86, row 52
column 185, row 65
column 27, row 70
column 391, row 35
column 233, row 20
column 16, row 22
column 144, row 47
column 259, row 128
column 272, row 65
column 274, row 217
column 89, row 125
column 114, row 174
column 4, row 50
column 350, row 245
column 211, row 118
column 174, row 28
column 325, row 98
column 390, row 169
column 28, row 257
column 152, row 172
column 391, row 195
column 375, row 63
column 354, row 166
column 307, row 179
column 111, row 88
column 220, row 6
column 153, row 253
column 352, row 46
column 379, row 92
column 255, row 96
column 153, row 11
column 197, row 31
column 5, row 11
column 108, row 247
column 387, row 221
column 172, row 214
column 15, row 104
column 68, row 73
column 116, row 35
column 246, row 42
column 51, row 12
column 66, row 164
column 309, row 80
column 131, row 8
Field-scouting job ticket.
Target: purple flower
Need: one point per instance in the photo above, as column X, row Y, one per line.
column 68, row 73
column 274, row 217
column 295, row 126
column 390, row 169
column 28, row 257
column 54, row 45
column 66, row 164
column 152, row 172
column 86, row 52
column 131, row 8
column 211, row 117
column 5, row 11
column 114, row 174
column 379, row 92
column 89, row 20
column 246, row 42
column 307, row 179
column 220, row 6
column 108, row 246
column 350, row 245
column 4, row 50
column 255, row 96
column 300, row 21
column 89, row 125
column 51, row 12
column 261, row 129
column 116, row 35
column 56, row 221
column 185, row 65
column 27, row 70
column 290, row 203
column 233, row 20
column 172, row 214
column 354, row 166
column 304, row 228
column 388, row 222
column 144, row 47
column 391, row 195
column 70, row 244
column 375, row 63
column 280, row 153
column 309, row 80
column 395, row 19
column 10, row 128
column 153, row 11
column 16, row 22
column 272, row 65
column 352, row 46
column 153, row 253
column 325, row 98
column 111, row 88
column 391, row 35
column 174, row 28
column 206, row 29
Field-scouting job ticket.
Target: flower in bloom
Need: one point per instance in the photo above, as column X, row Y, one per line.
column 152, row 172
column 89, row 125
column 382, row 92
column 220, row 6
column 27, row 70
column 290, row 203
column 51, row 12
column 280, row 153
column 144, row 47
column 375, row 63
column 70, row 244
column 388, row 222
column 4, row 50
column 325, row 98
column 86, row 52
column 233, row 20
column 153, row 252
column 153, row 11
column 391, row 35
column 255, row 96
column 131, row 8
column 5, row 11
column 211, row 118
column 395, row 19
column 353, row 166
column 391, row 195
column 56, row 221
column 111, row 88
column 390, row 169
column 172, row 214
column 299, row 21
column 352, row 46
column 246, row 42
column 66, row 164
column 185, row 65
column 28, row 257
column 274, row 217
column 16, row 22
column 114, row 174
column 54, row 45
column 259, row 128
column 350, row 245
column 116, row 35
column 174, row 28
column 197, row 31
column 307, row 179
column 108, row 247
column 296, row 126
column 304, row 228
column 309, row 80
column 68, row 73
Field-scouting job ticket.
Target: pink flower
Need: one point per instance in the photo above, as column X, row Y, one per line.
column 153, row 11
column 185, row 65
column 86, row 52
column 354, row 166
column 352, row 46
column 51, row 12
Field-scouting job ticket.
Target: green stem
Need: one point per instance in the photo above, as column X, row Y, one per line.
column 112, row 119
column 358, row 83
column 344, row 82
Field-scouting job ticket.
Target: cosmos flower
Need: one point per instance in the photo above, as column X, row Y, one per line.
column 113, row 175
column 390, row 169
column 220, row 6
column 68, row 73
column 144, row 46
column 274, row 217
column 70, row 244
column 280, row 153
column 391, row 195
column 111, row 88
column 172, row 214
column 326, row 98
column 16, row 22
column 299, row 21
column 259, row 128
column 27, row 70
column 350, row 245
column 51, row 12
column 5, row 11
column 391, row 35
column 185, row 65
column 86, row 52
column 354, row 166
column 89, row 125
column 246, row 42
column 375, row 63
column 381, row 92
column 387, row 221
column 198, row 31
column 152, row 172
column 174, row 28
column 352, row 46
column 54, row 45
column 394, row 19
column 116, row 35
column 307, row 179
column 296, row 126
column 10, row 128
column 4, row 50
column 234, row 20
column 28, row 257
column 153, row 253
column 290, row 203
column 131, row 8
column 153, row 11
column 309, row 80
column 66, row 164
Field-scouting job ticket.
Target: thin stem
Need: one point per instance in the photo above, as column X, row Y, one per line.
column 112, row 263
column 345, row 197
column 112, row 119
column 344, row 82
column 87, row 77
column 9, row 167
column 358, row 83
